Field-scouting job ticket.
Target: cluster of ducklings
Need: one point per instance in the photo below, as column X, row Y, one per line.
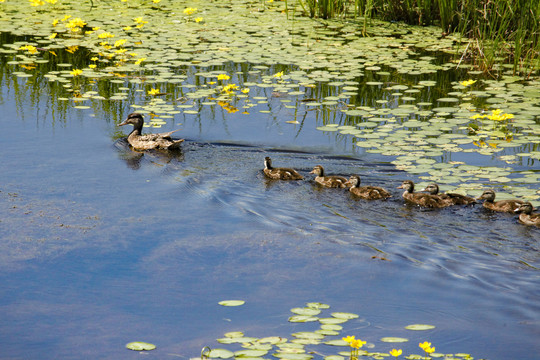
column 429, row 197
column 432, row 199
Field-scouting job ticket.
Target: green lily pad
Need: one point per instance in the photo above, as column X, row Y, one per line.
column 140, row 346
column 232, row 302
column 419, row 327
column 220, row 353
column 394, row 339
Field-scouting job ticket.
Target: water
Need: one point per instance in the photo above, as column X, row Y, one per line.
column 101, row 247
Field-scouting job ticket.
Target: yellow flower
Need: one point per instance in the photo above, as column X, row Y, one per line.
column 120, row 42
column 139, row 61
column 278, row 75
column 92, row 66
column 55, row 22
column 229, row 89
column 348, row 339
column 120, row 51
column 76, row 72
column 31, row 49
column 245, row 91
column 127, row 28
column 51, row 1
column 429, row 349
column 72, row 49
column 395, row 352
column 424, row 345
column 96, row 28
column 66, row 17
column 94, row 58
column 37, row 2
column 156, row 1
column 153, row 91
column 357, row 343
column 105, row 35
column 198, row 19
column 139, row 20
column 467, row 82
column 190, row 11
column 52, row 36
column 223, row 77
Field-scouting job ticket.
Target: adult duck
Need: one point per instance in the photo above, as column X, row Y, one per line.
column 526, row 215
column 162, row 141
column 507, row 206
column 421, row 199
column 366, row 192
column 452, row 198
column 279, row 173
column 331, row 181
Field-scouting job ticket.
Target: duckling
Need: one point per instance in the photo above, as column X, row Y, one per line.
column 526, row 216
column 332, row 181
column 507, row 206
column 452, row 198
column 279, row 173
column 366, row 192
column 424, row 200
column 149, row 141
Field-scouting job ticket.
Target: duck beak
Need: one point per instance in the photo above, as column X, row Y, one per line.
column 400, row 187
column 122, row 123
column 348, row 183
column 312, row 171
column 516, row 210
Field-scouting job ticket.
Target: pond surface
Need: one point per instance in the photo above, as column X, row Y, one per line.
column 101, row 246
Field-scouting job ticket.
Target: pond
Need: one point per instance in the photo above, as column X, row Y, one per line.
column 102, row 246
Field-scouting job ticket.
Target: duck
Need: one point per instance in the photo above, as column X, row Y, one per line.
column 141, row 142
column 421, row 199
column 452, row 198
column 526, row 216
column 331, row 181
column 366, row 192
column 507, row 206
column 279, row 173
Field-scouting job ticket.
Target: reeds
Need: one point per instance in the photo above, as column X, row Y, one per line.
column 498, row 31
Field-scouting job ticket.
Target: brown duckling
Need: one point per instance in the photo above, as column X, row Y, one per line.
column 149, row 141
column 366, row 192
column 507, row 206
column 452, row 198
column 526, row 215
column 332, row 181
column 421, row 199
column 279, row 173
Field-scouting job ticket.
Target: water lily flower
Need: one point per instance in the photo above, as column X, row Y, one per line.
column 52, row 36
column 348, row 339
column 119, row 43
column 55, row 22
column 278, row 75
column 105, row 35
column 189, row 11
column 229, row 89
column 424, row 345
column 66, row 17
column 37, row 2
column 467, row 82
column 76, row 72
column 156, row 1
column 139, row 61
column 51, row 1
column 429, row 349
column 92, row 66
column 395, row 352
column 245, row 90
column 72, row 49
column 223, row 77
column 127, row 28
column 153, row 91
column 198, row 19
column 357, row 343
column 31, row 49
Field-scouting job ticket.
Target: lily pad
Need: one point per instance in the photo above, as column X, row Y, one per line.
column 419, row 327
column 140, row 346
column 232, row 302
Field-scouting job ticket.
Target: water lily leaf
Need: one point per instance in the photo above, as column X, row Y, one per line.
column 344, row 315
column 303, row 318
column 394, row 339
column 220, row 353
column 250, row 353
column 232, row 302
column 140, row 346
column 419, row 327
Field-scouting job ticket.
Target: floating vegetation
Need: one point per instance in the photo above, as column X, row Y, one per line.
column 307, row 345
column 232, row 302
column 140, row 346
column 396, row 93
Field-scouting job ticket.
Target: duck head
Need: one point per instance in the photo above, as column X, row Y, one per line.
column 134, row 119
column 318, row 170
column 267, row 163
column 525, row 208
column 433, row 189
column 488, row 195
column 408, row 185
column 354, row 181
